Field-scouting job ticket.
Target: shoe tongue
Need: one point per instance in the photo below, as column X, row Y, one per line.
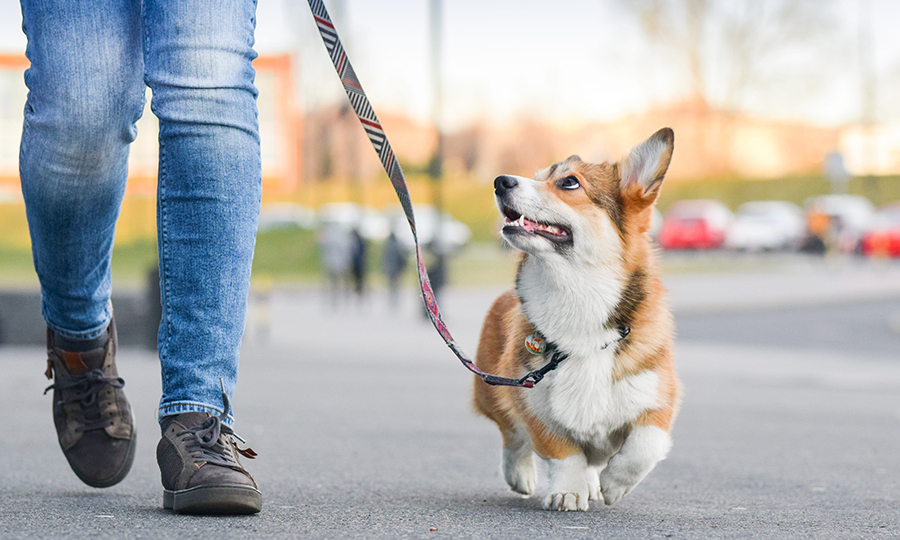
column 191, row 419
column 79, row 363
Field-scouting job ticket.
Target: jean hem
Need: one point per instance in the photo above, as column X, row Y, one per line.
column 179, row 407
column 85, row 335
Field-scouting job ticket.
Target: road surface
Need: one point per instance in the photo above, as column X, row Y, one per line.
column 362, row 422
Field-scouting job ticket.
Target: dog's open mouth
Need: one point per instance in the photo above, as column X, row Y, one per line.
column 516, row 223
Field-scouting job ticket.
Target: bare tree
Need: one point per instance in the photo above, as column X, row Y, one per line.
column 727, row 48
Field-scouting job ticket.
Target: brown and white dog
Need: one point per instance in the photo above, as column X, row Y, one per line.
column 601, row 419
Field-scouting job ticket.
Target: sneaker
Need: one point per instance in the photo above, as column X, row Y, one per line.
column 201, row 473
column 92, row 416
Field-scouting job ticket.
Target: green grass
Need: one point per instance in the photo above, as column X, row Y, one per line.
column 131, row 263
column 288, row 254
column 16, row 268
column 292, row 255
column 484, row 263
column 473, row 204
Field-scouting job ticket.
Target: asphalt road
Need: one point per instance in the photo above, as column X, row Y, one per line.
column 866, row 328
column 361, row 419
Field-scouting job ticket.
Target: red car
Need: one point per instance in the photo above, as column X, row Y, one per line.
column 694, row 224
column 883, row 239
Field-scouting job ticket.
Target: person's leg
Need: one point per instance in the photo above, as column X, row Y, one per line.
column 198, row 58
column 85, row 95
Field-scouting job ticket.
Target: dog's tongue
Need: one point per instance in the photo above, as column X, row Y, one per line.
column 528, row 225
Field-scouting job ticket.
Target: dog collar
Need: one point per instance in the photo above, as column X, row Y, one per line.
column 537, row 344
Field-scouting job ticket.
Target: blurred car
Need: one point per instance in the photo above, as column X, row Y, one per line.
column 277, row 216
column 694, row 224
column 848, row 218
column 766, row 225
column 883, row 238
column 454, row 234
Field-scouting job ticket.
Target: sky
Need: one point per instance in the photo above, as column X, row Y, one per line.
column 574, row 60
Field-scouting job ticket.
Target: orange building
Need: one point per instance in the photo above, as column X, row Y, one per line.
column 279, row 126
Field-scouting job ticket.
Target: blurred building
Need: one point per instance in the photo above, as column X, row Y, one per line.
column 336, row 147
column 279, row 124
column 709, row 144
column 325, row 144
column 12, row 104
column 871, row 150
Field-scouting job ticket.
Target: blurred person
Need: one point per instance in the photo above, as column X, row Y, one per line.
column 836, row 237
column 359, row 259
column 394, row 260
column 90, row 65
column 437, row 270
column 335, row 246
column 817, row 224
column 154, row 308
column 261, row 295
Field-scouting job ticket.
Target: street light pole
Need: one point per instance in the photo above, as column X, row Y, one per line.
column 436, row 168
column 868, row 115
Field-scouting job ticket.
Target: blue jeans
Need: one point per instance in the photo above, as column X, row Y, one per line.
column 90, row 64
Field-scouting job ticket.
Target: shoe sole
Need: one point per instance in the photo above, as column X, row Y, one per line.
column 214, row 500
column 120, row 474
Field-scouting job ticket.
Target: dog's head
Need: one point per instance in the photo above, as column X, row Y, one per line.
column 575, row 209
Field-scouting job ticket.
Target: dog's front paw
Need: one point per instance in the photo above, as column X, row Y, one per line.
column 569, row 486
column 612, row 490
column 644, row 448
column 565, row 502
column 519, row 470
column 522, row 480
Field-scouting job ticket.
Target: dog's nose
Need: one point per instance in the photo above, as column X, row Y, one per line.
column 504, row 183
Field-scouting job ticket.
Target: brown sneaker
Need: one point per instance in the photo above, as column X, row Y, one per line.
column 92, row 416
column 201, row 473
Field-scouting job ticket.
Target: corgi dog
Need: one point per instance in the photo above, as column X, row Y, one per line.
column 589, row 305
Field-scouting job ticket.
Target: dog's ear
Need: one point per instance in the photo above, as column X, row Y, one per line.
column 645, row 166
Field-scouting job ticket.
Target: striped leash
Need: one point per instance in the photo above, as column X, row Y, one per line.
column 379, row 141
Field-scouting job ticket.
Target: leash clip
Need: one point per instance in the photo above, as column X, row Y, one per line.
column 557, row 356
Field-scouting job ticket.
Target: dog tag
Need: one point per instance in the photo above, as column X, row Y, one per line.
column 534, row 343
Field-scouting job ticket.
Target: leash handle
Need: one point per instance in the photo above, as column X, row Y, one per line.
column 360, row 103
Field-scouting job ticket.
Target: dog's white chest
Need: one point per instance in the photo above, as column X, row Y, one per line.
column 581, row 398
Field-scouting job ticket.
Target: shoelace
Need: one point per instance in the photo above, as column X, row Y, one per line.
column 208, row 440
column 85, row 391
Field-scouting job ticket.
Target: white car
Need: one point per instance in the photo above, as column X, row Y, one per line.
column 370, row 223
column 766, row 225
column 454, row 234
column 275, row 216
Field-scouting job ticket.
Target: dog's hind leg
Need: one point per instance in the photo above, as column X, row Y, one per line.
column 518, row 460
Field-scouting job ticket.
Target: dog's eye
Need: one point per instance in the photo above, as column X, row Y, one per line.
column 569, row 182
